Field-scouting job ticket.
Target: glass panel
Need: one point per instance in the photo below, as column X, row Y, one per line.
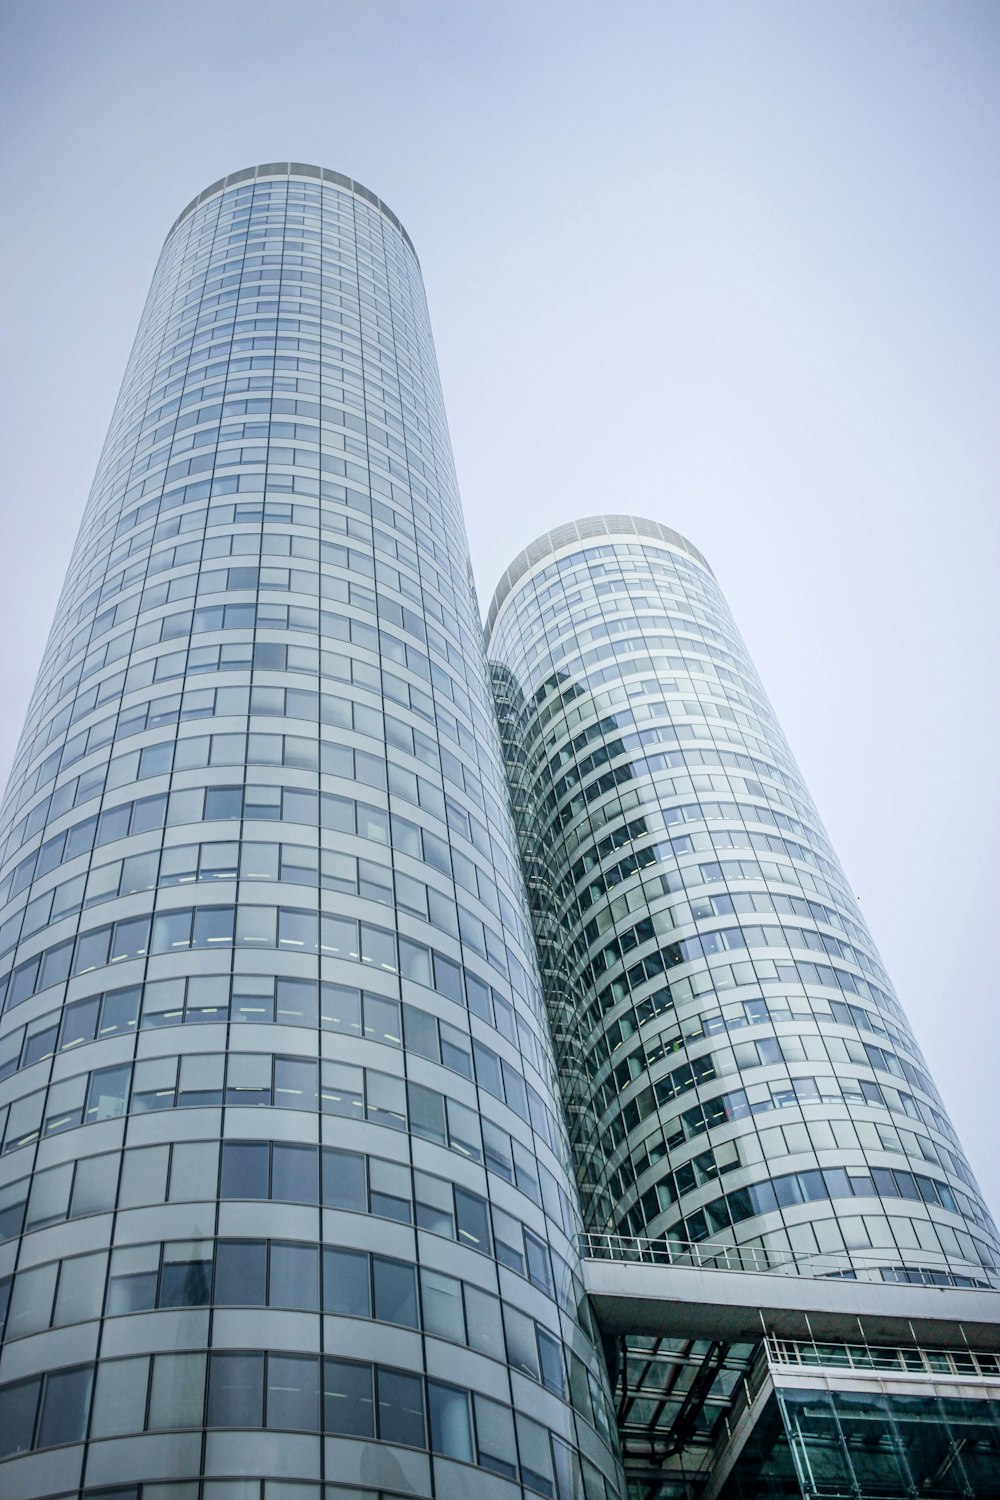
column 244, row 1170
column 18, row 1404
column 294, row 1174
column 536, row 1457
column 294, row 1276
column 186, row 1278
column 240, row 1273
column 567, row 1470
column 194, row 1171
column 31, row 1300
column 341, row 1009
column 382, row 1020
column 390, row 1189
column 95, row 1184
column 550, row 1358
column 395, row 1291
column 65, row 1404
column 134, row 1275
column 293, row 1392
column 348, row 1405
column 108, row 1094
column 451, row 1429
column 472, row 1219
column 441, row 1297
column 120, row 1397
column 81, row 1288
column 346, row 1283
column 482, row 1313
column 297, row 1003
column 49, row 1201
column 342, row 1090
column 400, row 1408
column 294, row 1084
column 344, row 1180
column 177, row 1398
column 522, row 1350
column 253, row 998
column 386, row 1100
column 236, row 1390
column 495, row 1436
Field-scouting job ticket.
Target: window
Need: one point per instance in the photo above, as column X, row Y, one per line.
column 120, row 1397
column 348, row 1403
column 536, row 1456
column 495, row 1437
column 463, row 1130
column 346, row 1283
column 171, row 932
column 401, row 1408
column 342, row 1090
column 294, row 1276
column 65, row 1406
column 550, row 1359
column 297, row 1003
column 472, row 1218
column 108, row 1093
column 31, row 1302
column 441, row 1298
column 451, row 1429
column 81, row 1282
column 248, row 1083
column 386, row 1103
column 186, row 1278
column 94, row 1185
column 294, row 1174
column 341, row 1009
column 236, row 1391
column 243, row 1170
column 295, row 1084
column 18, row 1404
column 177, row 1397
column 522, row 1349
column 133, row 1280
column 213, row 926
column 344, row 1180
column 49, row 1199
column 293, row 1392
column 395, row 1291
column 390, row 1189
column 194, row 1170
column 144, row 1176
column 241, row 1273
column 223, row 802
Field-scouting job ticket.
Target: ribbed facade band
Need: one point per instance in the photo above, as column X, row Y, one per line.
column 286, row 1202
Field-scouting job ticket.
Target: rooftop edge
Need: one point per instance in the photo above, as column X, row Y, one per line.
column 588, row 529
column 293, row 169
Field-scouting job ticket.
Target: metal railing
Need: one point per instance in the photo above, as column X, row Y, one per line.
column 911, row 1359
column 710, row 1255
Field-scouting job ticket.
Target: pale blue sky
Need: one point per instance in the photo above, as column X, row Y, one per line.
column 729, row 265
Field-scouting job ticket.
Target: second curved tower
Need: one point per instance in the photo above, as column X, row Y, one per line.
column 736, row 1066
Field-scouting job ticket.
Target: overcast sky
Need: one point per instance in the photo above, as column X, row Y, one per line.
column 729, row 265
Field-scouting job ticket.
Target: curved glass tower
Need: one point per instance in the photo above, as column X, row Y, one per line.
column 737, row 1069
column 286, row 1201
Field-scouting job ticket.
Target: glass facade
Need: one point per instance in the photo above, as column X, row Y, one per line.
column 737, row 1069
column 286, row 1197
column 886, row 1423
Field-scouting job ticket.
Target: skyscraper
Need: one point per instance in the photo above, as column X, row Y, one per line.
column 737, row 1065
column 742, row 1088
column 285, row 1195
column 314, row 1185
